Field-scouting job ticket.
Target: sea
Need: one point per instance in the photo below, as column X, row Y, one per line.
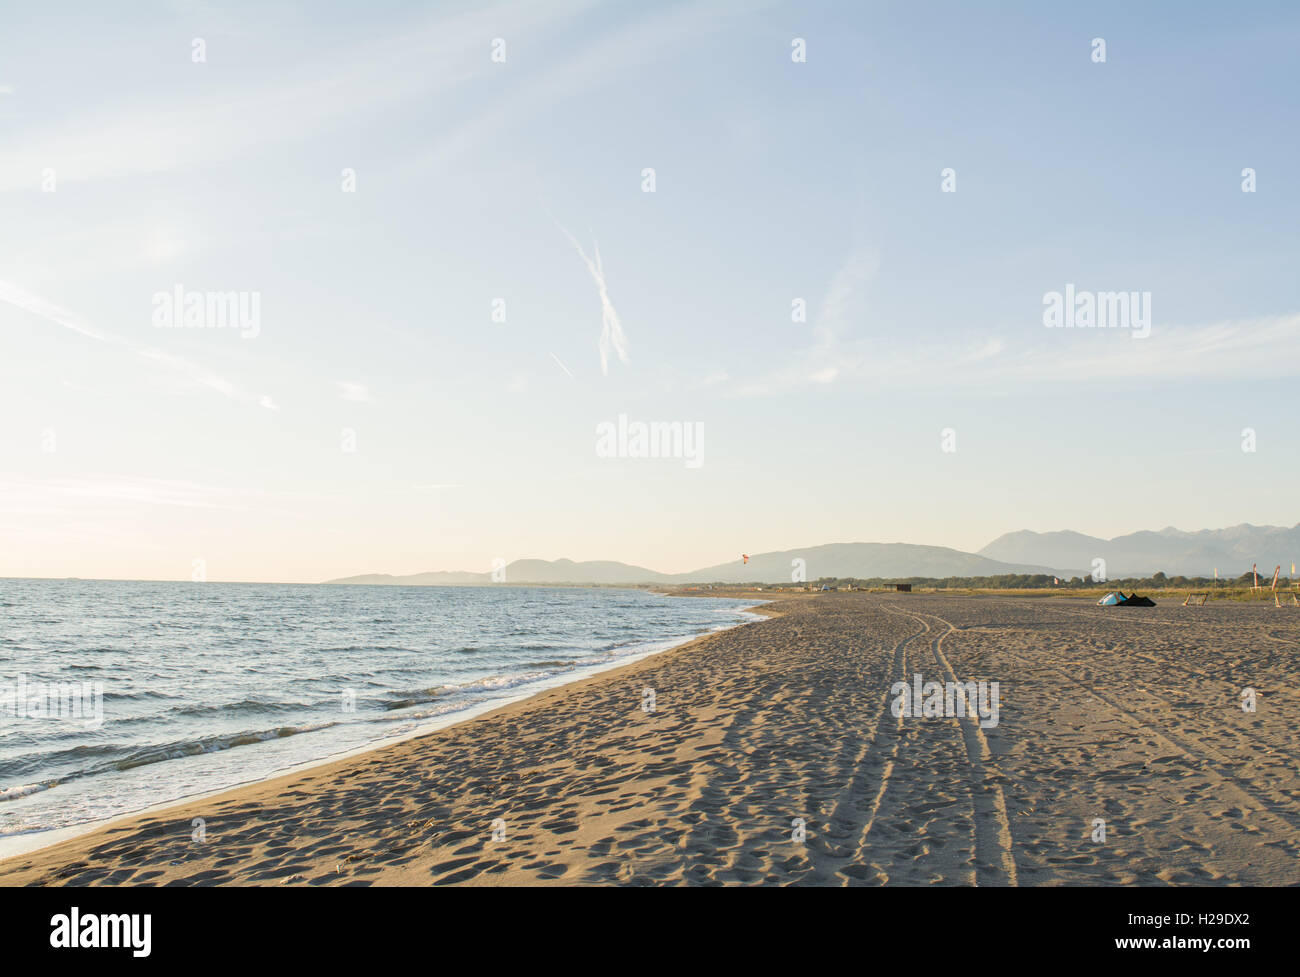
column 119, row 696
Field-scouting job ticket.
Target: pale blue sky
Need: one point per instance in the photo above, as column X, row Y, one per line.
column 775, row 180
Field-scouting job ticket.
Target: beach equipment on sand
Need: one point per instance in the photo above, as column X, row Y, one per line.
column 1133, row 600
column 1195, row 600
column 1116, row 598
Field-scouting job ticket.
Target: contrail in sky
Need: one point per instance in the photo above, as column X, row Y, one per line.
column 611, row 334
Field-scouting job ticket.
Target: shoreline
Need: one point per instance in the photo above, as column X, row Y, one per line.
column 771, row 756
column 34, row 843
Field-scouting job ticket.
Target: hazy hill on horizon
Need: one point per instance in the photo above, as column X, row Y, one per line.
column 1174, row 551
column 862, row 560
column 1066, row 553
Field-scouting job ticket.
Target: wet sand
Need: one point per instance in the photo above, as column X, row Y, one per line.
column 1131, row 716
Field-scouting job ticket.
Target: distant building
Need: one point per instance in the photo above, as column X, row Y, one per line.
column 904, row 588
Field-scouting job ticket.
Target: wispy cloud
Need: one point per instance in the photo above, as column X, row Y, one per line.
column 43, row 309
column 181, row 370
column 61, row 511
column 612, row 338
column 1035, row 357
column 659, row 35
column 430, row 56
column 356, row 392
column 833, row 319
column 1024, row 356
column 827, row 358
column 561, row 364
column 1242, row 348
column 32, row 496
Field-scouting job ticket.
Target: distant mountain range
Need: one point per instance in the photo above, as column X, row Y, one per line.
column 830, row 560
column 1173, row 551
column 1067, row 554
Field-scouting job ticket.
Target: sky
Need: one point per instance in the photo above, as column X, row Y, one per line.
column 467, row 235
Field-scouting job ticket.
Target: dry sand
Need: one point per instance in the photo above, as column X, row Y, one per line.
column 1131, row 715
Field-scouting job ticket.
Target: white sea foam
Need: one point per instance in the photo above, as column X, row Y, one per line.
column 209, row 687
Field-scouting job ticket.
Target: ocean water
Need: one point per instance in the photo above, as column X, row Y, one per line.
column 119, row 695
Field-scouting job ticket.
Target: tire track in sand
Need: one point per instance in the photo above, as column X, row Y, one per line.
column 995, row 864
column 1280, row 686
column 1203, row 760
column 717, row 829
column 854, row 864
column 1276, row 687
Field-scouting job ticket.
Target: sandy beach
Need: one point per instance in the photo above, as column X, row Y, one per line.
column 1131, row 717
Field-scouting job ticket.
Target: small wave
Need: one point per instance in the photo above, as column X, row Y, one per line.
column 206, row 658
column 144, row 696
column 174, row 751
column 13, row 793
column 495, row 682
column 72, row 754
column 243, row 705
column 436, row 711
column 489, row 683
column 416, row 698
column 341, row 649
